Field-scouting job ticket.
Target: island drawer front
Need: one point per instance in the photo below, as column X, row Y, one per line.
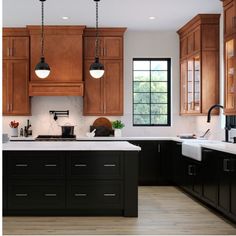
column 95, row 195
column 96, row 165
column 35, row 164
column 35, row 195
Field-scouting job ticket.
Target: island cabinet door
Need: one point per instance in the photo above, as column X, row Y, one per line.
column 95, row 195
column 95, row 165
column 25, row 164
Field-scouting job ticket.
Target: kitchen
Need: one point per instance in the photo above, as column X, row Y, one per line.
column 141, row 39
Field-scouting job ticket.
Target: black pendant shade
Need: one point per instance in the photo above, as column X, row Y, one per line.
column 42, row 69
column 97, row 68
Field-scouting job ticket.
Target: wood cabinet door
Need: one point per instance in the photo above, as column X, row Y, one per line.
column 183, row 47
column 6, row 44
column 90, row 47
column 6, row 86
column 113, row 48
column 19, row 93
column 15, row 87
column 197, row 39
column 113, row 87
column 93, row 94
column 190, row 39
column 63, row 53
column 19, row 48
column 229, row 18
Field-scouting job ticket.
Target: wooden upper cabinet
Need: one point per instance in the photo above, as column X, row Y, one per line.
column 104, row 96
column 229, row 17
column 108, row 47
column 15, row 87
column 15, row 43
column 230, row 57
column 15, row 76
column 199, row 67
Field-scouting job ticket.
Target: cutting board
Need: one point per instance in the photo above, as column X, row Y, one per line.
column 102, row 121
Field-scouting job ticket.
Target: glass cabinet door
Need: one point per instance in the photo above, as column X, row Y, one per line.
column 194, row 85
column 229, row 75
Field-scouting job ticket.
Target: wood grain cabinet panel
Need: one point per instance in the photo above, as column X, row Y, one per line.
column 104, row 96
column 15, row 76
column 229, row 54
column 63, row 50
column 199, row 68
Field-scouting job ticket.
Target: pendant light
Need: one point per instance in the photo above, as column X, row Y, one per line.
column 42, row 69
column 96, row 69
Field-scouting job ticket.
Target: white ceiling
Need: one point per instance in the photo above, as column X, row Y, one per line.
column 133, row 14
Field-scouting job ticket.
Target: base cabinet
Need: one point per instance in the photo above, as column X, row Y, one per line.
column 70, row 183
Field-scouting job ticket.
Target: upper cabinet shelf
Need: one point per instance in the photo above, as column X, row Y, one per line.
column 229, row 54
column 199, row 64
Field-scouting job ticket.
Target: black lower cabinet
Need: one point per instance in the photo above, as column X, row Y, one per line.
column 70, row 183
column 154, row 162
column 210, row 176
column 227, row 184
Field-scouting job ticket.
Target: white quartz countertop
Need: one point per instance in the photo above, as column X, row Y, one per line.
column 67, row 145
column 103, row 145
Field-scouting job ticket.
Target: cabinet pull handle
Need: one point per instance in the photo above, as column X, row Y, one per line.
column 21, row 165
column 109, row 165
column 21, row 195
column 159, row 147
column 207, row 150
column 225, row 165
column 8, row 52
column 50, row 165
column 8, row 107
column 109, row 194
column 81, row 194
column 50, row 194
column 80, row 165
column 11, row 107
column 189, row 170
column 179, row 144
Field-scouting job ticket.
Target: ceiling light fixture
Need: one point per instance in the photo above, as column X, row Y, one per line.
column 96, row 69
column 65, row 18
column 42, row 69
column 152, row 17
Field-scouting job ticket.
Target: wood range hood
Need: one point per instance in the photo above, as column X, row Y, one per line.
column 63, row 50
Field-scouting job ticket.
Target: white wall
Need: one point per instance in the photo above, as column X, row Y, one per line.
column 137, row 44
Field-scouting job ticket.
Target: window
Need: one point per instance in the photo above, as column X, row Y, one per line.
column 151, row 92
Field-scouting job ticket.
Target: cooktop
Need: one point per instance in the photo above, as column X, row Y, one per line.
column 55, row 138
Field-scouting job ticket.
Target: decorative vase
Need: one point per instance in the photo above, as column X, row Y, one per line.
column 14, row 132
column 117, row 133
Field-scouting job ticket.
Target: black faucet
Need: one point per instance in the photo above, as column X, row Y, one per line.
column 227, row 128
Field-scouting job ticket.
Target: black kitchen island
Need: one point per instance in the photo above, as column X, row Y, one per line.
column 70, row 178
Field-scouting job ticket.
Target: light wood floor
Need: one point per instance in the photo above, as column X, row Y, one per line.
column 162, row 210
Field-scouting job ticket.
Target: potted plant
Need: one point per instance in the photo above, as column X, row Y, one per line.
column 117, row 125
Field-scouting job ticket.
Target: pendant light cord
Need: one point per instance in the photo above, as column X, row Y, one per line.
column 42, row 31
column 96, row 43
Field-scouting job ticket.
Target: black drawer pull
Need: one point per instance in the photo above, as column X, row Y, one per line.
column 109, row 165
column 21, row 195
column 21, row 165
column 81, row 195
column 80, row 165
column 50, row 194
column 226, row 165
column 109, row 194
column 50, row 165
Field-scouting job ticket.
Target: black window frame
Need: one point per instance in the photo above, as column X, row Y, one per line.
column 168, row 60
